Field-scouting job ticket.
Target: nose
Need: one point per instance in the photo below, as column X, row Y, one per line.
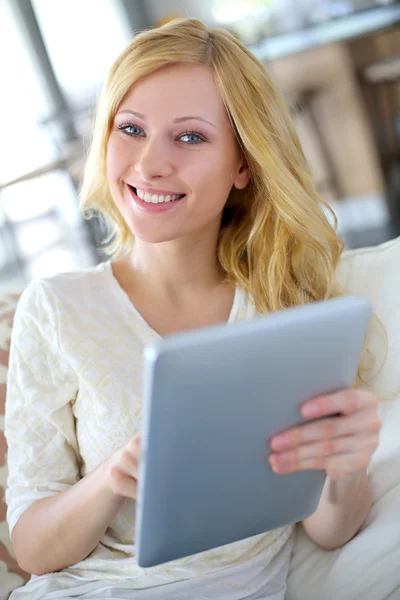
column 154, row 161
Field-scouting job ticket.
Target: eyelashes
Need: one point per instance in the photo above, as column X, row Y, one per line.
column 125, row 127
column 193, row 134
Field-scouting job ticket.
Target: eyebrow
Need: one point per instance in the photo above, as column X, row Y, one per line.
column 177, row 120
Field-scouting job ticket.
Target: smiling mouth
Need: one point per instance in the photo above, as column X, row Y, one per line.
column 156, row 198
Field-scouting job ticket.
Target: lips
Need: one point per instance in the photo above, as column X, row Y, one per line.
column 153, row 207
column 157, row 196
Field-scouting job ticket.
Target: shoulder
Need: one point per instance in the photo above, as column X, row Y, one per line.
column 73, row 286
column 47, row 301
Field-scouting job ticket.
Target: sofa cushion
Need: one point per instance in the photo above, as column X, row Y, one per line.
column 368, row 565
column 11, row 576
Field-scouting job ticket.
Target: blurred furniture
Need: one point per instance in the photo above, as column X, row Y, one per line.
column 315, row 67
column 333, row 125
column 54, row 124
column 8, row 229
column 315, row 147
column 383, row 84
column 384, row 78
column 276, row 45
column 367, row 566
column 71, row 162
column 11, row 259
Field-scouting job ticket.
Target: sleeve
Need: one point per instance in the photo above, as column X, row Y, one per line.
column 43, row 455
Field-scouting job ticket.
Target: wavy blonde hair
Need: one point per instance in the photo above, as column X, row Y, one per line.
column 275, row 241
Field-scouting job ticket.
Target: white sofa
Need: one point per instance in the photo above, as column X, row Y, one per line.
column 367, row 567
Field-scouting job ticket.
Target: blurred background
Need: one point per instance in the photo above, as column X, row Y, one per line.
column 336, row 61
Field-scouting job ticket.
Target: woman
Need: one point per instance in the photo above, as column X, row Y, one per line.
column 195, row 162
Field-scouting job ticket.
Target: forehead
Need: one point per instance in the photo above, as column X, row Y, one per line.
column 175, row 91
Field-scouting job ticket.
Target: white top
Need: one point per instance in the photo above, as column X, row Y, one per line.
column 74, row 398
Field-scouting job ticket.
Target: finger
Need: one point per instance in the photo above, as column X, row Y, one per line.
column 122, row 484
column 344, row 402
column 348, row 463
column 364, row 422
column 133, row 445
column 325, row 448
column 128, row 464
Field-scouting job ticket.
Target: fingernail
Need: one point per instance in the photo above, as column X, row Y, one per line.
column 310, row 409
column 280, row 442
column 273, row 464
column 278, row 459
column 277, row 467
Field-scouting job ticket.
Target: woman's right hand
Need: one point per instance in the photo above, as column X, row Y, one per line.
column 121, row 469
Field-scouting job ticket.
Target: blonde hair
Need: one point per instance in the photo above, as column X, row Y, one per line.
column 275, row 241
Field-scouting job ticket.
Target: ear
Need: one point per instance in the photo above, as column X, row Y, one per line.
column 243, row 175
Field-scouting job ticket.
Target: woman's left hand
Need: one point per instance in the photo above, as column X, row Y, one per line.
column 342, row 445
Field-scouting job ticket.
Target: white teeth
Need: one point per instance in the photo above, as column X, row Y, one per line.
column 154, row 198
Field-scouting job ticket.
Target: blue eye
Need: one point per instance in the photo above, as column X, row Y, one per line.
column 132, row 130
column 192, row 137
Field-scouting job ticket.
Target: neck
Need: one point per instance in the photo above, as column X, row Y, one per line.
column 178, row 266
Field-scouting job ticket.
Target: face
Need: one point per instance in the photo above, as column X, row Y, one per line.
column 172, row 157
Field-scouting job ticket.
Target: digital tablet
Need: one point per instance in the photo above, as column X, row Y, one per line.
column 213, row 398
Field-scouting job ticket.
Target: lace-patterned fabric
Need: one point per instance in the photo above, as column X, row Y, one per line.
column 74, row 398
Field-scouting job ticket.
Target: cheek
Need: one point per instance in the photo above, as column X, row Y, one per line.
column 114, row 169
column 213, row 180
column 116, row 161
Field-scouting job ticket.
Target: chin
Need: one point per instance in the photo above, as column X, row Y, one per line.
column 152, row 236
